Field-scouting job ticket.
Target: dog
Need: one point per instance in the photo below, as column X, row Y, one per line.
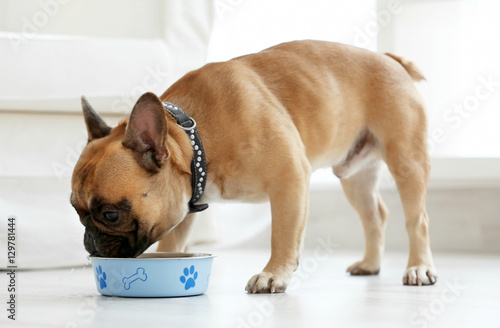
column 266, row 121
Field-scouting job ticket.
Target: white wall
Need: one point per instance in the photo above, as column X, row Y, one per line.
column 251, row 26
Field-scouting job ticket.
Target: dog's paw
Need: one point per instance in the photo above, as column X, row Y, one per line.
column 266, row 282
column 363, row 268
column 419, row 275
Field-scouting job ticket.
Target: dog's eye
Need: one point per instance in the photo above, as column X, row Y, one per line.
column 111, row 216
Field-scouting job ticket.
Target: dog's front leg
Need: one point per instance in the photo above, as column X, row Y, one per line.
column 176, row 239
column 289, row 207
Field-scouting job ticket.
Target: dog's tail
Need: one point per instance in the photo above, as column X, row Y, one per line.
column 411, row 68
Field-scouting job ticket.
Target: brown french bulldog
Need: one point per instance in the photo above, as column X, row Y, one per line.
column 266, row 121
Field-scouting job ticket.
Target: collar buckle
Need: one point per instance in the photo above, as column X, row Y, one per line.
column 187, row 128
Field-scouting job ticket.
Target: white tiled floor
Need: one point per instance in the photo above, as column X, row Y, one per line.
column 322, row 295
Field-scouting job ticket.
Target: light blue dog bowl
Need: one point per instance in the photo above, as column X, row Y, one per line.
column 153, row 275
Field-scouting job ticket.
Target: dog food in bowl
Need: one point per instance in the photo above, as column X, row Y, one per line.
column 153, row 274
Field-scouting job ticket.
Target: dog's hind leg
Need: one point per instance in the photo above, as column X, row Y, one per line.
column 409, row 164
column 402, row 129
column 361, row 191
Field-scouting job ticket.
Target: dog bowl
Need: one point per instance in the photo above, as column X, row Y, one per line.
column 153, row 275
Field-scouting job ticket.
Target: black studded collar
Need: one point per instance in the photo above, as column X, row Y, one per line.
column 199, row 163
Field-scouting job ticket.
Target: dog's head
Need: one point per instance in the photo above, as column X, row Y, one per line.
column 131, row 183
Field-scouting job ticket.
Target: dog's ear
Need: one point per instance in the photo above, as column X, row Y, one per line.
column 96, row 127
column 146, row 132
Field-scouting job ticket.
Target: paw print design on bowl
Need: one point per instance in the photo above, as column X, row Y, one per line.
column 189, row 277
column 101, row 277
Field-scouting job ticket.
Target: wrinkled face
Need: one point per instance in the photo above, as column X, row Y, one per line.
column 110, row 197
column 123, row 194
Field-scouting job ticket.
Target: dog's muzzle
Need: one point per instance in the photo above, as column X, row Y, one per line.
column 105, row 245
